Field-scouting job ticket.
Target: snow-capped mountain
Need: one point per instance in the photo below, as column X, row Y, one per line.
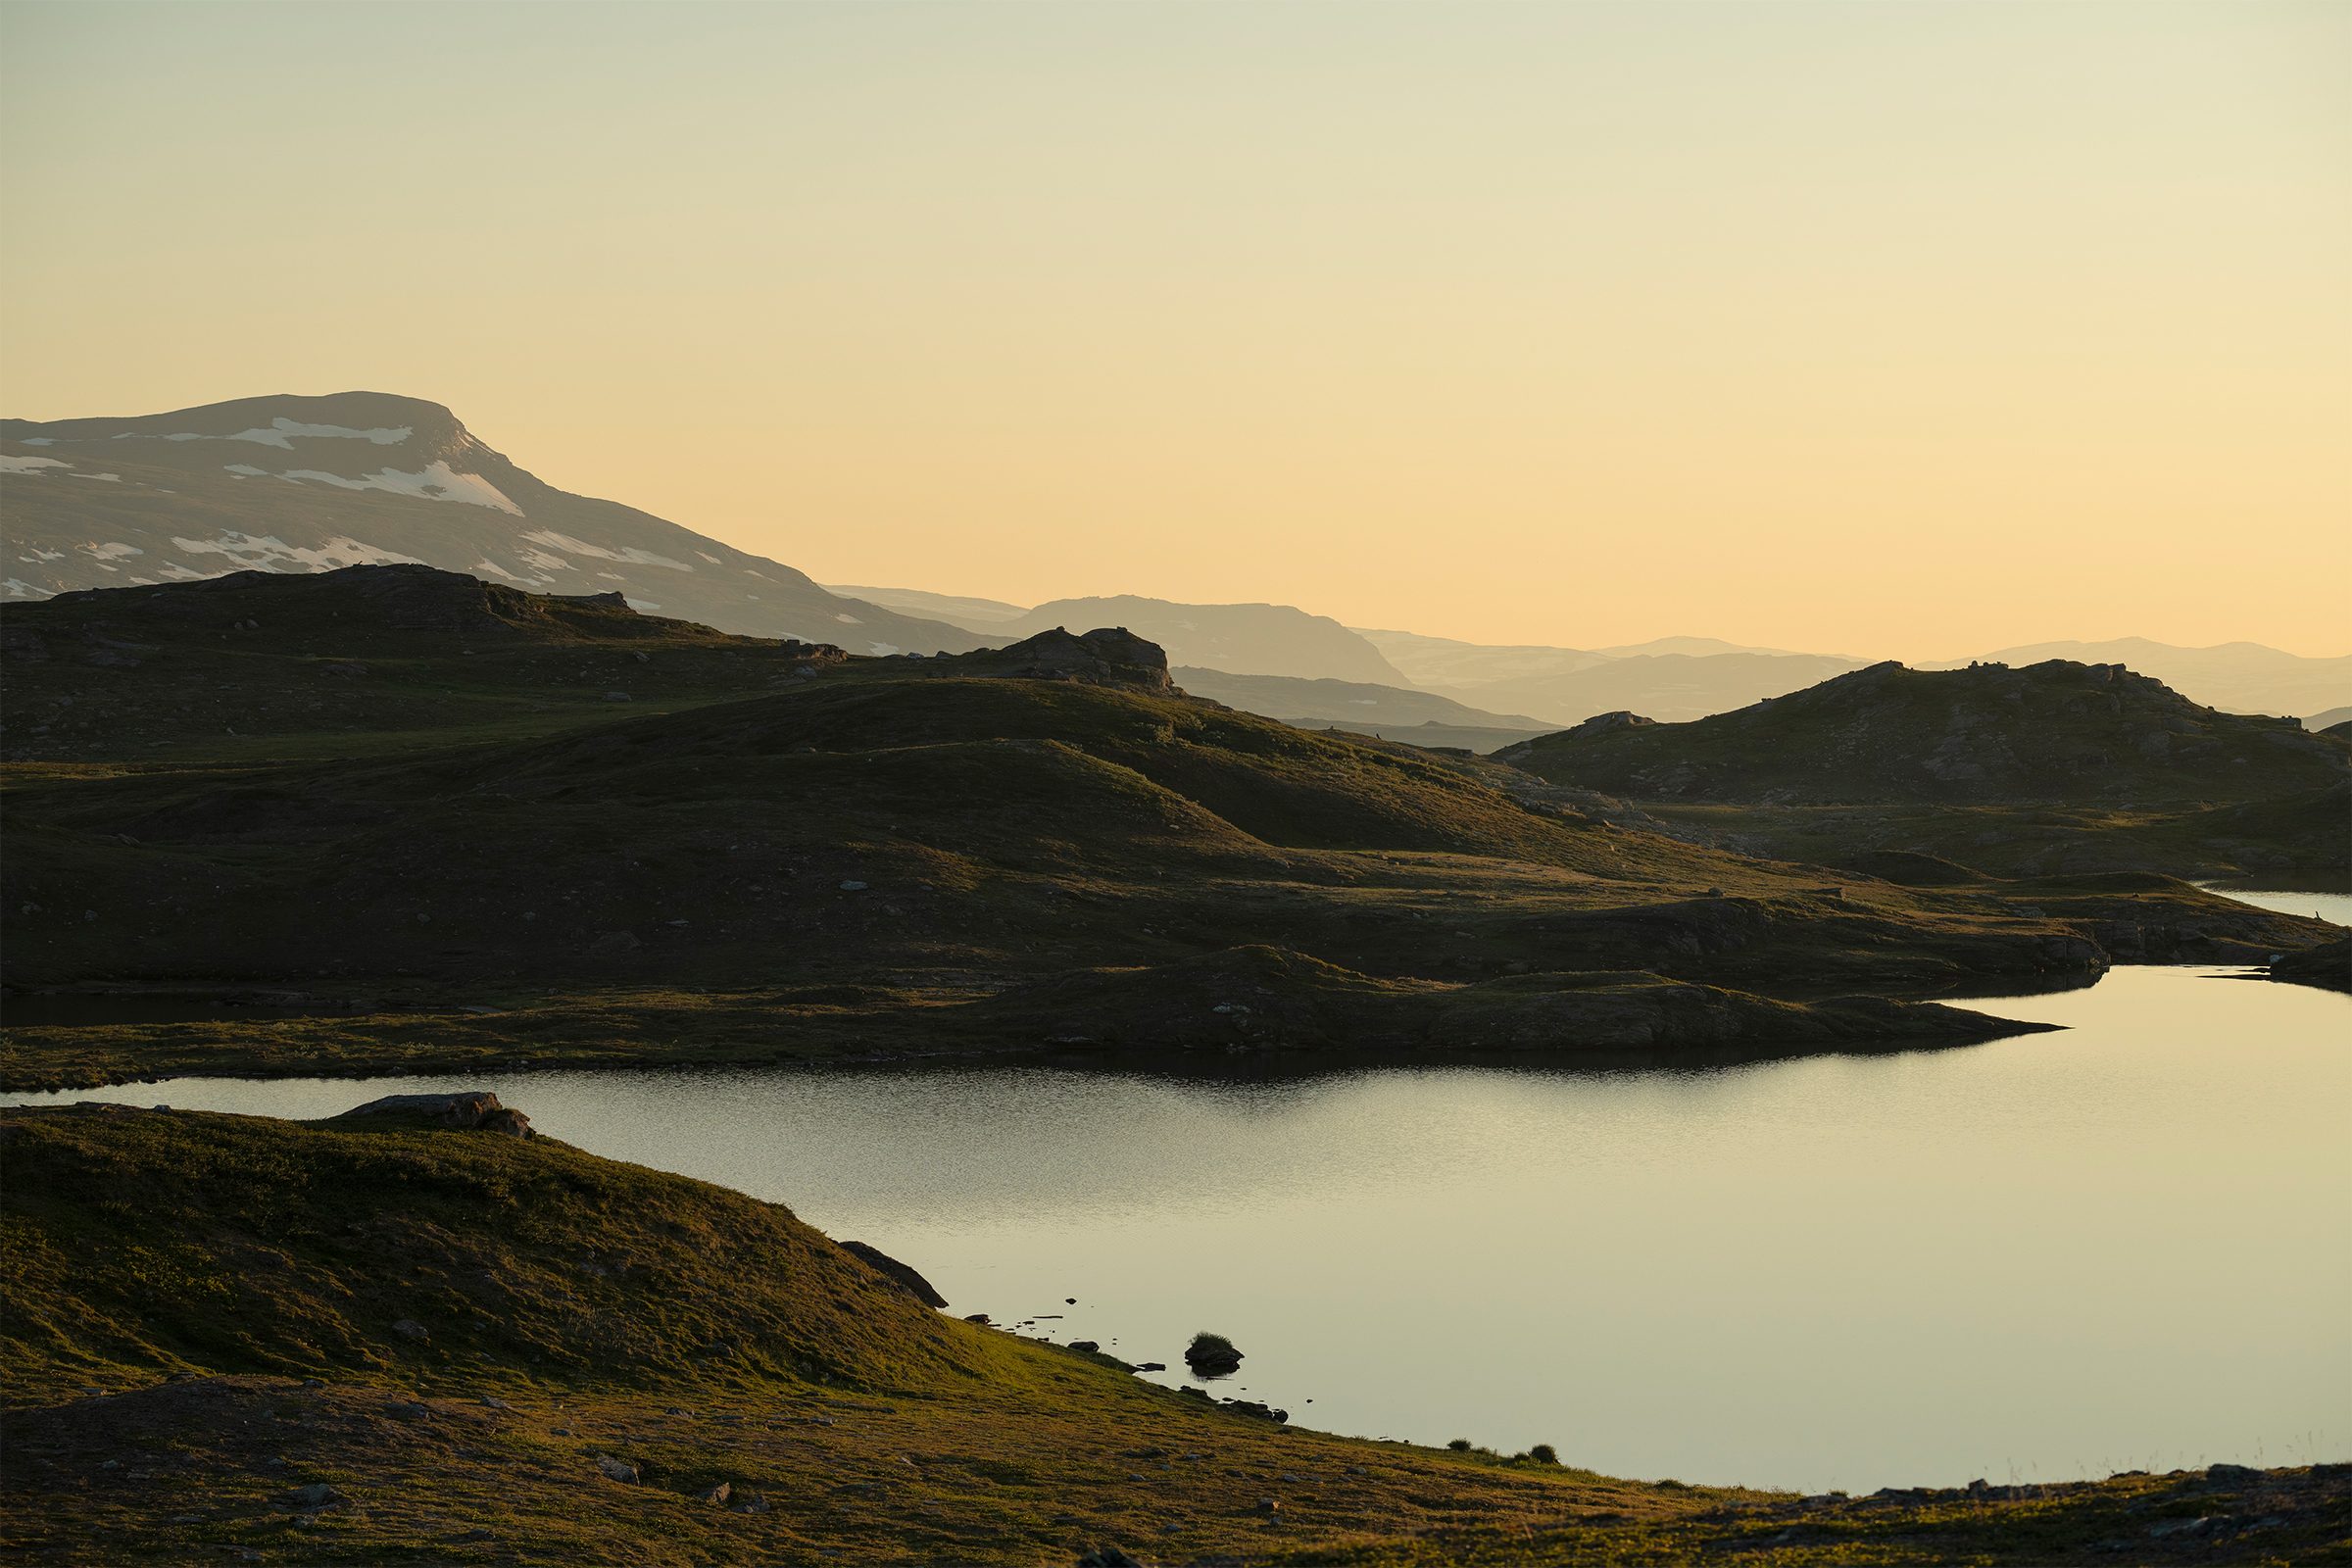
column 310, row 483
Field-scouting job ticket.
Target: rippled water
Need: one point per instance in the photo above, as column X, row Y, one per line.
column 2123, row 1246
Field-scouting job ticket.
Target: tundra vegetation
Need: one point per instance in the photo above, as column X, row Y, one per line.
column 458, row 825
column 448, row 825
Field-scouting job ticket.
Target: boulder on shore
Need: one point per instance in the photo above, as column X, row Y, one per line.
column 898, row 1273
column 474, row 1110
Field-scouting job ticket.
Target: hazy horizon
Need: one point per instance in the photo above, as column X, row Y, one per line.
column 1907, row 331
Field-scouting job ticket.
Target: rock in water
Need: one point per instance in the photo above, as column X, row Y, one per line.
column 1212, row 1355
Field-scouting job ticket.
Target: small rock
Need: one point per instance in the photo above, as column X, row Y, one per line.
column 852, row 887
column 717, row 1495
column 412, row 1411
column 1085, row 1344
column 317, row 1495
column 2233, row 1474
column 617, row 1469
column 407, row 1327
column 1268, row 1506
column 492, row 1403
column 1264, row 1412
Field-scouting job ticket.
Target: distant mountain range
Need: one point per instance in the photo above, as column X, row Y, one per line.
column 302, row 484
column 975, row 614
column 1391, row 712
column 1671, row 679
column 1238, row 639
column 310, row 483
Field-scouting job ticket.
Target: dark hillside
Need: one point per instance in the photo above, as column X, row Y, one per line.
column 1989, row 734
column 465, row 816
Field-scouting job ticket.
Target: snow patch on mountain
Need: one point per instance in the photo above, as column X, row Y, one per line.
column 11, row 463
column 280, row 434
column 268, row 552
column 437, row 482
column 630, row 556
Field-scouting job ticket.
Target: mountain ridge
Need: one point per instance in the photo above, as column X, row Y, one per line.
column 302, row 483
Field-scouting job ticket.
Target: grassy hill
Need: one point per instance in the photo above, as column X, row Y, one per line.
column 2055, row 732
column 378, row 1339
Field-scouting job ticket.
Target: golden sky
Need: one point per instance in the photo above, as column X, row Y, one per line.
column 1889, row 329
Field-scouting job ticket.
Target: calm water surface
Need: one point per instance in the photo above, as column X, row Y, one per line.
column 2123, row 1246
column 2315, row 895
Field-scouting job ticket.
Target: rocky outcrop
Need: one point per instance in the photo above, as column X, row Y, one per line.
column 2329, row 965
column 474, row 1110
column 898, row 1273
column 1108, row 656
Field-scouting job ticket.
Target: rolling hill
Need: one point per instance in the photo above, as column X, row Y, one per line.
column 1988, row 734
column 2236, row 677
column 562, row 826
column 301, row 484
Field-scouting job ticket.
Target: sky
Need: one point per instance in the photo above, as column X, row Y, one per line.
column 1906, row 330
